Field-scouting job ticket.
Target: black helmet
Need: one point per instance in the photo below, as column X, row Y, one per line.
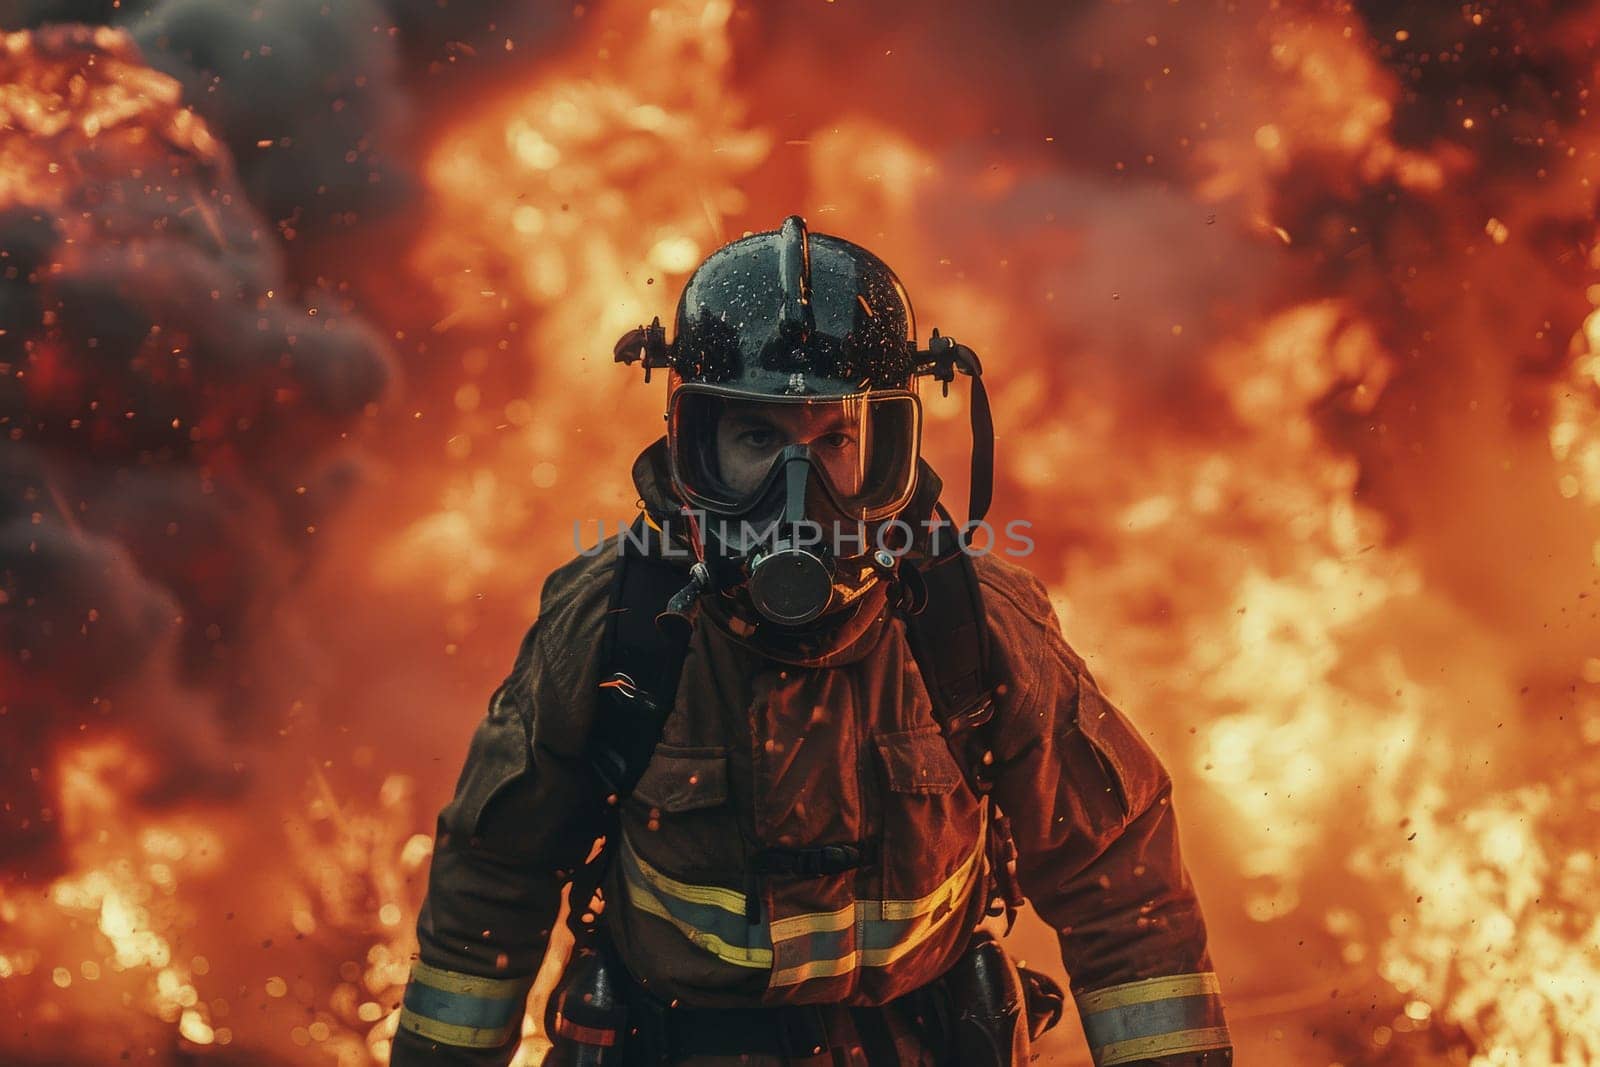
column 792, row 414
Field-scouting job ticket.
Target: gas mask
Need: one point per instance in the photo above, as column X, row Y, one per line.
column 790, row 493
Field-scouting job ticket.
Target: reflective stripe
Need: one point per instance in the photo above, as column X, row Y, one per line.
column 903, row 926
column 1172, row 985
column 822, row 944
column 815, row 922
column 1147, row 1048
column 805, row 972
column 469, row 984
column 458, row 1036
column 1154, row 1017
column 951, row 889
column 464, row 1010
column 729, row 900
column 721, row 932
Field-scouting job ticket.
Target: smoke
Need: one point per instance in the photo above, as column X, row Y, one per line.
column 179, row 400
column 316, row 102
column 173, row 414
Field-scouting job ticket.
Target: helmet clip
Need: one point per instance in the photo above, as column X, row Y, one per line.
column 646, row 345
column 943, row 357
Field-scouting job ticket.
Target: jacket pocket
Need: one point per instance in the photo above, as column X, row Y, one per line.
column 1134, row 772
column 498, row 756
column 684, row 779
column 918, row 761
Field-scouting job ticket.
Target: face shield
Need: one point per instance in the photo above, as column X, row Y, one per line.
column 730, row 450
column 789, row 485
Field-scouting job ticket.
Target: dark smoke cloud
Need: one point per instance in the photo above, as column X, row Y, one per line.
column 174, row 400
column 316, row 100
column 306, row 95
column 172, row 408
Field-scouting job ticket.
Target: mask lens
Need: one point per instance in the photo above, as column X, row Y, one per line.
column 864, row 446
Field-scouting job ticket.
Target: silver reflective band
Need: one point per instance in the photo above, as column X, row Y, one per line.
column 463, row 1010
column 1155, row 1017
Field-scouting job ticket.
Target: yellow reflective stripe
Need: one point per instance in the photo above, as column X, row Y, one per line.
column 920, row 930
column 646, row 901
column 1145, row 1048
column 951, row 888
column 920, row 927
column 1164, row 988
column 715, row 896
column 468, row 984
column 814, row 922
column 916, row 913
column 804, row 972
column 459, row 1036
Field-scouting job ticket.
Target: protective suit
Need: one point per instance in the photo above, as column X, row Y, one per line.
column 803, row 859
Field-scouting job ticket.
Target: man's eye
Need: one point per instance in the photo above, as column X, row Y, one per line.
column 756, row 438
column 837, row 439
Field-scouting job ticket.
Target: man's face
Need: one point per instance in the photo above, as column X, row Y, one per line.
column 750, row 435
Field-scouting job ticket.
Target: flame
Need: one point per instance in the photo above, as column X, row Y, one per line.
column 538, row 203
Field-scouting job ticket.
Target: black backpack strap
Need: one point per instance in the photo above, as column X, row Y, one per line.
column 640, row 663
column 949, row 637
column 950, row 642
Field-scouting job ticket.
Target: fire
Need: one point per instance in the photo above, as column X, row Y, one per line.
column 1219, row 387
column 537, row 212
column 121, row 911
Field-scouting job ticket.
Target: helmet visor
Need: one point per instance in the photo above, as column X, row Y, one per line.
column 864, row 445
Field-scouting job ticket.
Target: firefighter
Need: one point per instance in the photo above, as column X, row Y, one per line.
column 791, row 737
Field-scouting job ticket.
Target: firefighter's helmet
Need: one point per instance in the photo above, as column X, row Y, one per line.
column 793, row 420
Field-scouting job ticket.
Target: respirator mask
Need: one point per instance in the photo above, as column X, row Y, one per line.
column 790, row 493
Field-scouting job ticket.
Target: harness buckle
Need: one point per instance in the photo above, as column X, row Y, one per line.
column 815, row 862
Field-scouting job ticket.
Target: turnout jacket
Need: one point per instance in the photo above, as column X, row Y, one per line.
column 759, row 754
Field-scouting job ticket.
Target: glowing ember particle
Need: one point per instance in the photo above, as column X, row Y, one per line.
column 276, row 987
column 674, row 255
column 415, row 852
column 193, row 1028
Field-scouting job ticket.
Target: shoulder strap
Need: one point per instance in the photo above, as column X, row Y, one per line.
column 949, row 638
column 640, row 662
column 950, row 642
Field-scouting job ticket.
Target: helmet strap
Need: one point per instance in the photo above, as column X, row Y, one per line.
column 943, row 357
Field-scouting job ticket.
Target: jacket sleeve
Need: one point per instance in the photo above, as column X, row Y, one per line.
column 506, row 844
column 1097, row 848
